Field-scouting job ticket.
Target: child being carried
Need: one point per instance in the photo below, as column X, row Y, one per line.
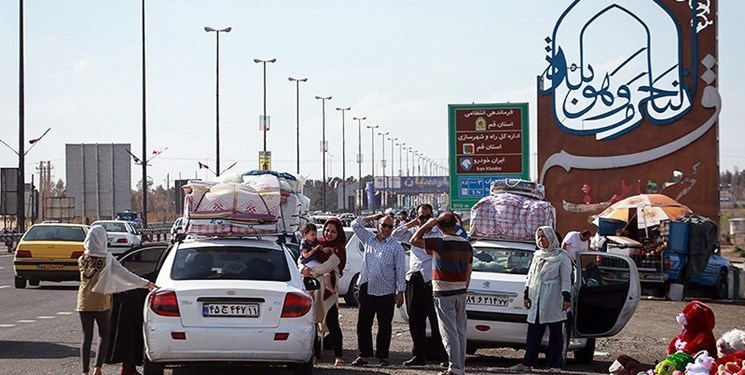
column 312, row 255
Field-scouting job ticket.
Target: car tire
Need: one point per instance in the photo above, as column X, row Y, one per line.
column 302, row 369
column 721, row 289
column 585, row 355
column 33, row 282
column 20, row 282
column 350, row 299
column 151, row 368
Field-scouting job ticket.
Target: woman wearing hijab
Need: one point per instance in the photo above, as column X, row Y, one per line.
column 334, row 243
column 100, row 276
column 547, row 297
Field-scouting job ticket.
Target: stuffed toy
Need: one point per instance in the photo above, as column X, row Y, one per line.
column 674, row 364
column 731, row 368
column 731, row 342
column 702, row 364
column 697, row 322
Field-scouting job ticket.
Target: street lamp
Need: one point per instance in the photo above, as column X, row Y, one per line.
column 21, row 218
column 324, row 147
column 297, row 102
column 383, row 197
column 400, row 158
column 217, row 92
column 393, row 164
column 371, row 205
column 359, row 158
column 264, row 121
column 343, row 159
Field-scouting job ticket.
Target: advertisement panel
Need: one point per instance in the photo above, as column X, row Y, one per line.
column 8, row 191
column 639, row 117
column 487, row 142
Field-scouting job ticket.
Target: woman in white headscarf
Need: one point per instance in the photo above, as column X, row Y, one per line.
column 547, row 298
column 100, row 276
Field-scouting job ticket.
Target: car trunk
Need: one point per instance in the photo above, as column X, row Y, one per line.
column 233, row 303
column 51, row 249
column 496, row 292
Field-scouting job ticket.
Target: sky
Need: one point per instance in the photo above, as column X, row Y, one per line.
column 399, row 64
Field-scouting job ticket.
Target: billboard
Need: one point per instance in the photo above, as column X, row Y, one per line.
column 629, row 104
column 487, row 142
column 9, row 191
column 99, row 179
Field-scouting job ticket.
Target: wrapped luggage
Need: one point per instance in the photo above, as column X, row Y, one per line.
column 509, row 215
column 249, row 204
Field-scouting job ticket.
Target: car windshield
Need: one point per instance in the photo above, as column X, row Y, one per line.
column 112, row 226
column 230, row 263
column 502, row 260
column 55, row 233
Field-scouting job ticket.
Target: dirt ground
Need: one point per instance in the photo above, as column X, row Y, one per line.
column 645, row 338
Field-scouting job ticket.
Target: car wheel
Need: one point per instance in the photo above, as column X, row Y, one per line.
column 20, row 282
column 150, row 368
column 302, row 369
column 33, row 282
column 351, row 297
column 721, row 289
column 585, row 355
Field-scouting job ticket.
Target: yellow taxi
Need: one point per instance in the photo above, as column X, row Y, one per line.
column 49, row 252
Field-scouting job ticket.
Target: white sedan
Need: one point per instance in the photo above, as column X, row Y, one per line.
column 121, row 235
column 605, row 294
column 230, row 301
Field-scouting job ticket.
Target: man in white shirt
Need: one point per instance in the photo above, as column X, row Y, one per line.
column 576, row 241
column 419, row 300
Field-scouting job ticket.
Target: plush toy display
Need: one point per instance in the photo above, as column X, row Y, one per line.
column 731, row 368
column 674, row 364
column 697, row 321
column 731, row 342
column 702, row 364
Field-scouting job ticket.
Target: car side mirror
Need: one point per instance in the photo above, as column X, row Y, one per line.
column 311, row 283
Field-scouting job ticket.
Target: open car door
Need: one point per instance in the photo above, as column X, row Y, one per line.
column 608, row 295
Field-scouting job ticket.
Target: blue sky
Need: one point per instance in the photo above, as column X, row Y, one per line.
column 397, row 63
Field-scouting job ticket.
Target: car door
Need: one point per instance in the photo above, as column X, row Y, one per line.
column 145, row 261
column 607, row 295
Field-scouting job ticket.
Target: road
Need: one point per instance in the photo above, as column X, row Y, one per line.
column 40, row 334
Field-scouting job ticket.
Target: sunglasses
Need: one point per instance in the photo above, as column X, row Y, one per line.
column 387, row 226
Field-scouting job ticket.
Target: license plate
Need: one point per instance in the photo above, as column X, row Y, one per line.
column 478, row 299
column 250, row 310
column 50, row 267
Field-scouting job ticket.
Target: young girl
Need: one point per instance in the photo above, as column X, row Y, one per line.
column 312, row 254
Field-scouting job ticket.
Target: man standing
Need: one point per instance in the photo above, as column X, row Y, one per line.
column 575, row 242
column 452, row 259
column 419, row 302
column 382, row 284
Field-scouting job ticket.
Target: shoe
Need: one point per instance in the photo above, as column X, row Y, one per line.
column 415, row 361
column 445, row 364
column 384, row 363
column 339, row 362
column 446, row 372
column 520, row 368
column 359, row 362
column 554, row 371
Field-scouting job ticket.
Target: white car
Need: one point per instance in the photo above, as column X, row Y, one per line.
column 350, row 276
column 230, row 301
column 177, row 227
column 605, row 294
column 121, row 235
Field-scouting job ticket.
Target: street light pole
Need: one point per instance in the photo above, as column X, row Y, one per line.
column 371, row 205
column 297, row 103
column 393, row 165
column 359, row 159
column 324, row 148
column 384, row 196
column 217, row 93
column 21, row 187
column 343, row 158
column 265, row 121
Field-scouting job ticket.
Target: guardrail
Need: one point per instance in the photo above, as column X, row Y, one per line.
column 148, row 235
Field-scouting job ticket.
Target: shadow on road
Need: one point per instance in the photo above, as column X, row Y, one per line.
column 55, row 287
column 36, row 350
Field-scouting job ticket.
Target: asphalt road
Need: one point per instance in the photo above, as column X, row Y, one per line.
column 40, row 334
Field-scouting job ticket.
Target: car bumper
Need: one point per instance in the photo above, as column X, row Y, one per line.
column 46, row 270
column 505, row 330
column 247, row 345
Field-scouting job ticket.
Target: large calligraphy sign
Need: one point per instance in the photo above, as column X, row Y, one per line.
column 629, row 104
column 487, row 142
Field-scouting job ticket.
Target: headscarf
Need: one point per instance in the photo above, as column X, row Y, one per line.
column 544, row 254
column 96, row 241
column 339, row 244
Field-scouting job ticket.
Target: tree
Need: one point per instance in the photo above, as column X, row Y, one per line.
column 58, row 190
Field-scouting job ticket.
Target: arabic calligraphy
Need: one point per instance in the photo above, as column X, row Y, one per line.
column 703, row 9
column 609, row 95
